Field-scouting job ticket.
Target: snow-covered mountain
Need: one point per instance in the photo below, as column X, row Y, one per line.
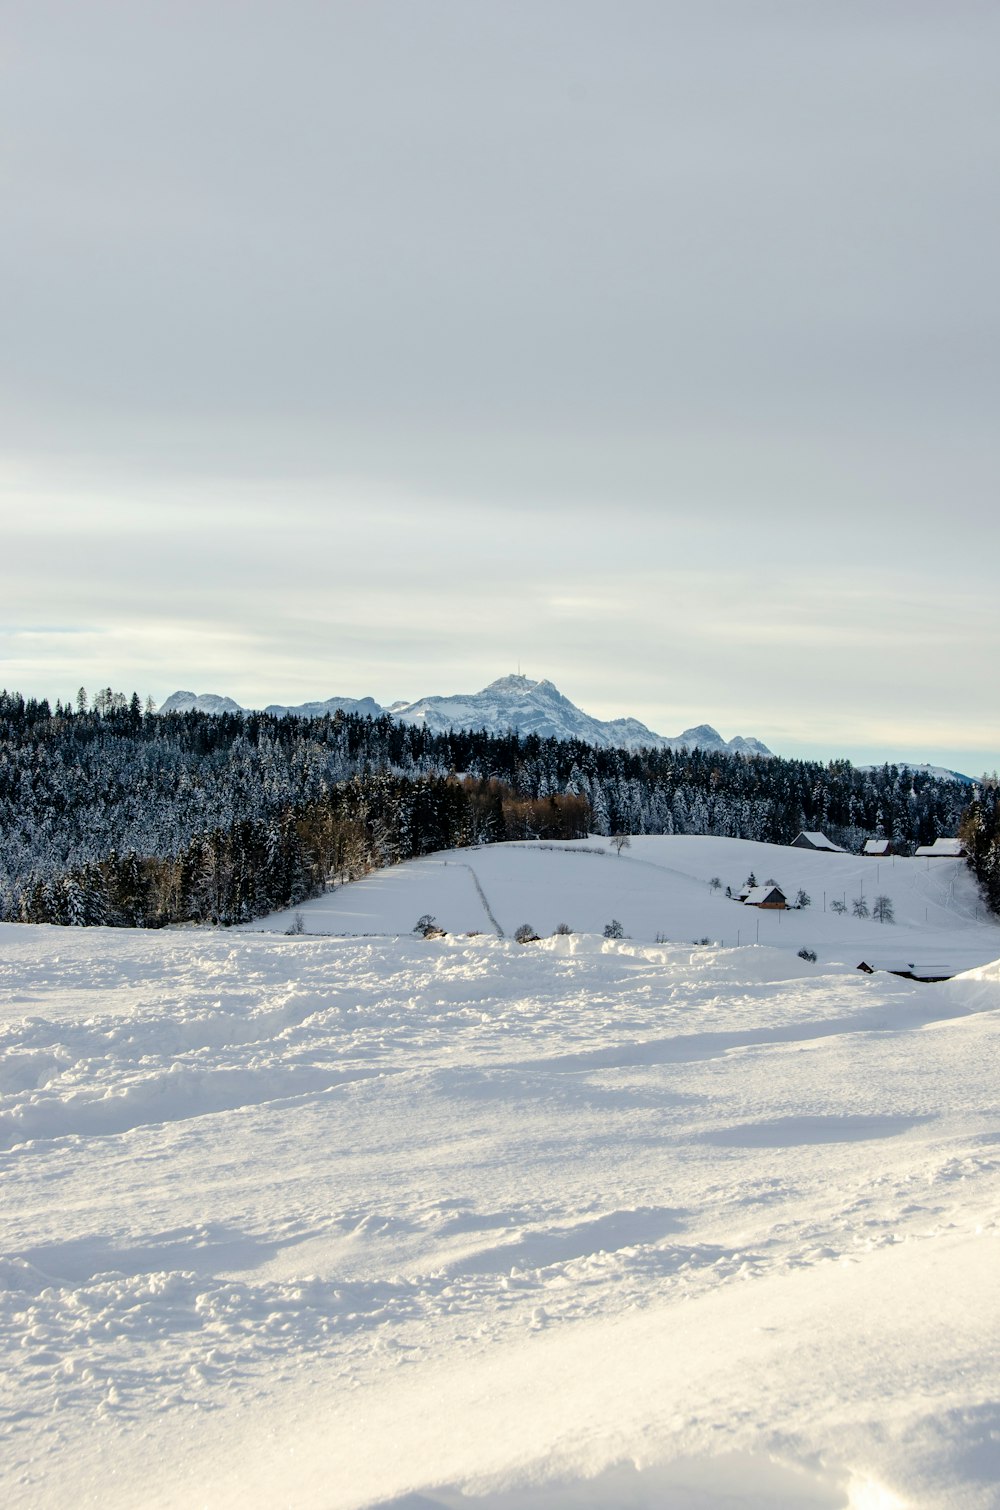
column 517, row 702
column 512, row 703
column 199, row 702
column 367, row 707
column 938, row 772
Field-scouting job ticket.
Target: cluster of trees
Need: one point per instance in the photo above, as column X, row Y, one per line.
column 112, row 813
column 980, row 832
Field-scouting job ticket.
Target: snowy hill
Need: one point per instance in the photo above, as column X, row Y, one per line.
column 512, row 703
column 659, row 888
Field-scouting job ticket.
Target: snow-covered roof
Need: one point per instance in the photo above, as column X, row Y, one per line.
column 919, row 969
column 877, row 846
column 819, row 841
column 952, row 849
column 760, row 894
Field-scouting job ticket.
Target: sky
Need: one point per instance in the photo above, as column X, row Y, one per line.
column 378, row 349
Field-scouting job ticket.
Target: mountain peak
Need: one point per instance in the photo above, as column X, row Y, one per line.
column 515, row 682
column 512, row 704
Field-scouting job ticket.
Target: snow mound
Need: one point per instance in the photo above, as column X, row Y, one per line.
column 747, row 1480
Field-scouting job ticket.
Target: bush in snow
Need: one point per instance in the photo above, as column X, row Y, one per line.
column 802, row 898
column 883, row 909
column 297, row 924
column 562, row 929
column 424, row 924
column 809, row 954
column 525, row 934
column 859, row 907
column 838, row 906
column 614, row 930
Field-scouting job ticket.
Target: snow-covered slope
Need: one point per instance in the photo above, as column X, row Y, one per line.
column 344, row 1223
column 660, row 888
column 512, row 703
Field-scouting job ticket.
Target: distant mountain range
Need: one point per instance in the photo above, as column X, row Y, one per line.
column 937, row 772
column 513, row 703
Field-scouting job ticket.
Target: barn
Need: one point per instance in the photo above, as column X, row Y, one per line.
column 765, row 896
column 942, row 849
column 817, row 841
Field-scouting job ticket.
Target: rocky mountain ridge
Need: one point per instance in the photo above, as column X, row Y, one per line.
column 512, row 703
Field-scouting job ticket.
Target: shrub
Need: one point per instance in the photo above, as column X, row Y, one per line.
column 562, row 929
column 525, row 934
column 614, row 930
column 424, row 924
column 809, row 954
column 297, row 925
column 802, row 898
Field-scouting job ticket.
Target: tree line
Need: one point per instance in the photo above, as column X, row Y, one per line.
column 111, row 813
column 980, row 832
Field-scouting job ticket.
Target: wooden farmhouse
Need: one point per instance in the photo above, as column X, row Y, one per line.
column 817, row 841
column 765, row 896
column 879, row 848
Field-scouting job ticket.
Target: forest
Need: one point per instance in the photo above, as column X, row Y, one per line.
column 114, row 814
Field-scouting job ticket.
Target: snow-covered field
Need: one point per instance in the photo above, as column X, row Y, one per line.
column 659, row 889
column 339, row 1222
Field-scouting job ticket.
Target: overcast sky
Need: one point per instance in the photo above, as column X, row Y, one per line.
column 376, row 348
